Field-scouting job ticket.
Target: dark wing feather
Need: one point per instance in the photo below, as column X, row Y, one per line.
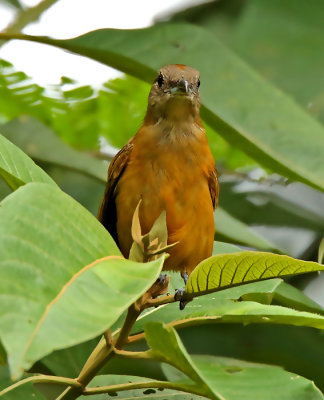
column 107, row 212
column 214, row 187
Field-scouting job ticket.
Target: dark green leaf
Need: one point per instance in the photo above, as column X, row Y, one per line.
column 225, row 378
column 240, row 380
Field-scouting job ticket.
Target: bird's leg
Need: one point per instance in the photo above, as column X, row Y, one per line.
column 185, row 276
column 180, row 292
column 159, row 287
column 161, row 279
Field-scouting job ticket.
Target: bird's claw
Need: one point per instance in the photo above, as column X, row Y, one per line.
column 178, row 296
column 161, row 279
column 185, row 277
column 159, row 287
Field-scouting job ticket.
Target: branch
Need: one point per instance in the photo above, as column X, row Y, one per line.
column 104, row 351
column 132, row 315
column 160, row 301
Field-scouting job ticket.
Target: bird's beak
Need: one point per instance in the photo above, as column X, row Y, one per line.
column 181, row 87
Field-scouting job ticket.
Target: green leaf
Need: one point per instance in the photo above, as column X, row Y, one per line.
column 226, row 270
column 16, row 168
column 41, row 143
column 290, row 296
column 265, row 127
column 45, row 239
column 294, row 31
column 230, row 228
column 79, row 93
column 298, row 349
column 224, row 378
column 166, row 346
column 240, row 380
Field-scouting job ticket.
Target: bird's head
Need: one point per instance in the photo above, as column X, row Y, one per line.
column 175, row 93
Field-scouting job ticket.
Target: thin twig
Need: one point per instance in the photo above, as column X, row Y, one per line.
column 29, row 15
column 159, row 301
column 56, row 380
column 142, row 385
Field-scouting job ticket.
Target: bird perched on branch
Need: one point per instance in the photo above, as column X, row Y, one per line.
column 167, row 164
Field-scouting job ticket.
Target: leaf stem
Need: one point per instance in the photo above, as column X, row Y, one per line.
column 142, row 385
column 134, row 354
column 57, row 380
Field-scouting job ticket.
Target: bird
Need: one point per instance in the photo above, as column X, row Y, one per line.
column 167, row 165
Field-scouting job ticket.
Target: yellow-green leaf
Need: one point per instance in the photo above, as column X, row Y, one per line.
column 226, row 270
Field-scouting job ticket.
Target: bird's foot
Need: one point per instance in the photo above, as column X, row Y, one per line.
column 185, row 276
column 159, row 287
column 178, row 296
column 162, row 279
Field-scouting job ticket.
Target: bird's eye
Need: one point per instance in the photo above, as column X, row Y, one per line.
column 198, row 84
column 160, row 80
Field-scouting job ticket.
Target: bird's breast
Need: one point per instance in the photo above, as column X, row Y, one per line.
column 167, row 176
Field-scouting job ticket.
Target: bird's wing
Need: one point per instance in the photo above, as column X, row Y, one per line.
column 107, row 211
column 213, row 187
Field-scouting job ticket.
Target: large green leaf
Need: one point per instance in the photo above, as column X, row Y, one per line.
column 240, row 380
column 269, row 126
column 226, row 270
column 297, row 349
column 227, row 379
column 293, row 31
column 46, row 237
column 166, row 346
column 18, row 169
column 41, row 143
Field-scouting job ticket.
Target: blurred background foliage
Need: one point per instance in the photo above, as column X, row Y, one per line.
column 72, row 130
